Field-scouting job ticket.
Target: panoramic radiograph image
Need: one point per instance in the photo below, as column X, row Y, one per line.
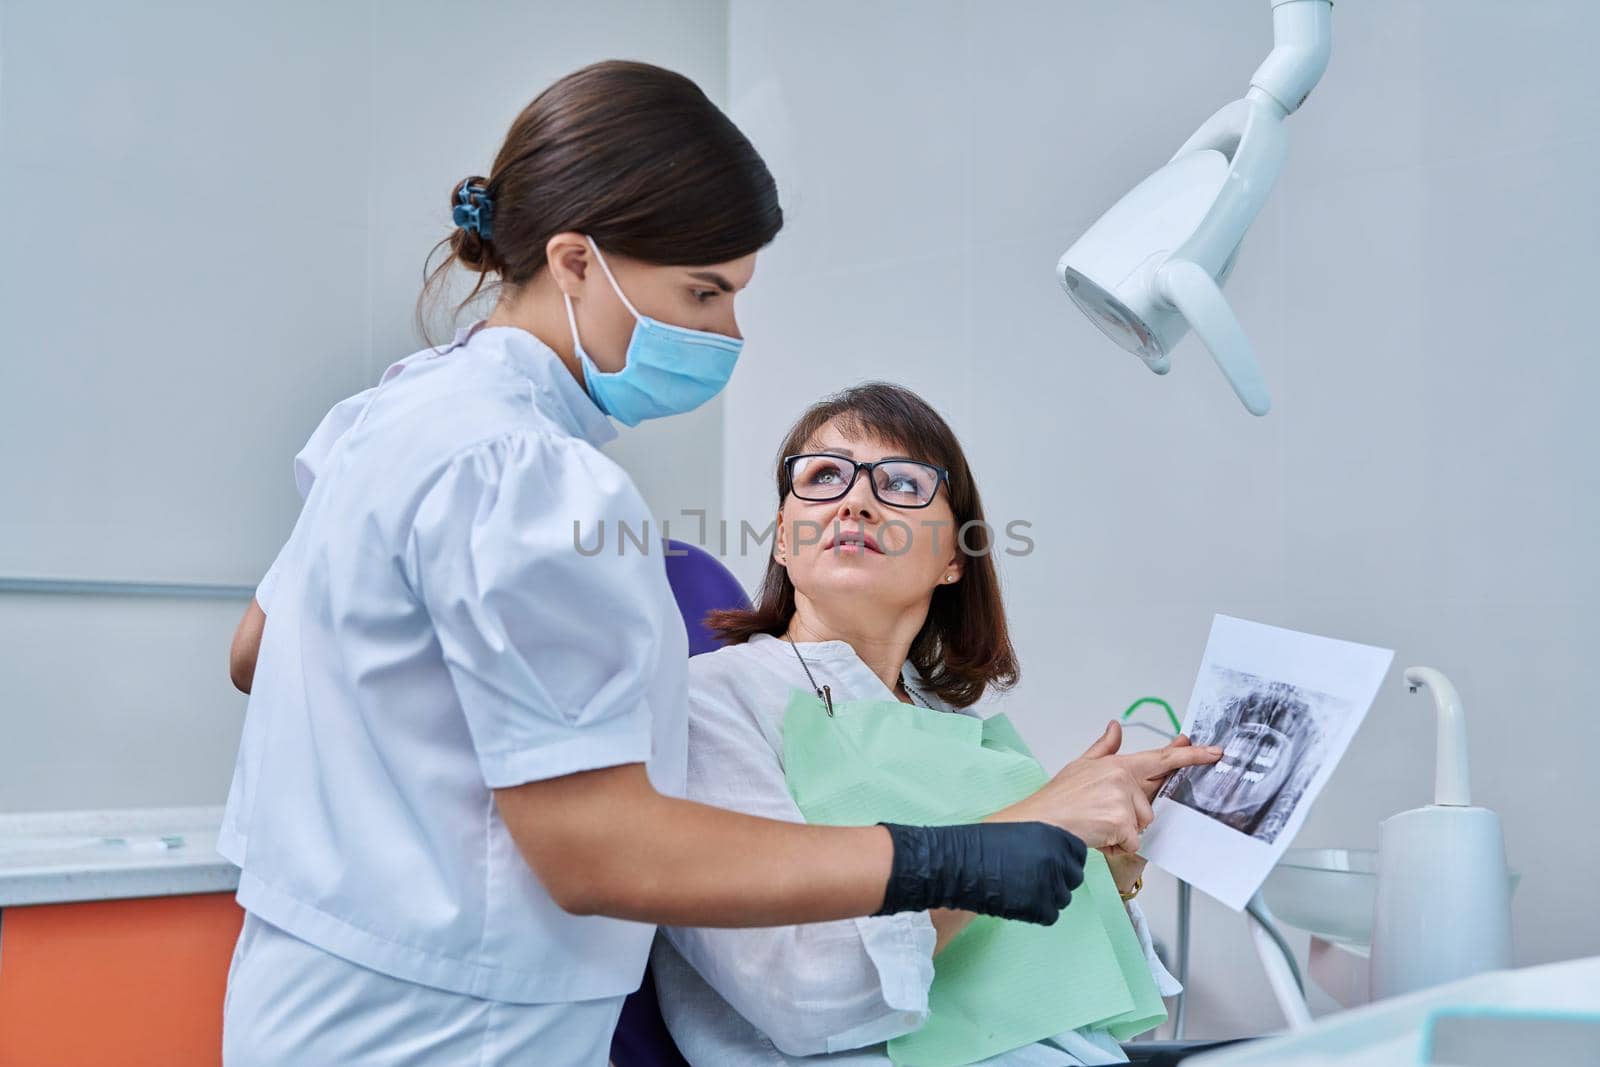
column 1271, row 735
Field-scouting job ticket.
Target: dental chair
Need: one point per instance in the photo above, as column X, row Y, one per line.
column 701, row 584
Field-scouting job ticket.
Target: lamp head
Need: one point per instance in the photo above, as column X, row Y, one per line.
column 1110, row 272
column 1153, row 266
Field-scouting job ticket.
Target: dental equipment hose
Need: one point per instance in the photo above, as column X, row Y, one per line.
column 1012, row 870
column 1258, row 911
column 1172, row 716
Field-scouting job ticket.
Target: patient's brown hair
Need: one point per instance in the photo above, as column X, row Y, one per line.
column 964, row 646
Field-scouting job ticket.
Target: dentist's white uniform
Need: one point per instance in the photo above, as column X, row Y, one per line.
column 433, row 633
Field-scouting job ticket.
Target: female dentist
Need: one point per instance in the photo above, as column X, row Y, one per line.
column 456, row 803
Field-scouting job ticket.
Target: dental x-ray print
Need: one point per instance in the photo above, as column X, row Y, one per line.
column 1271, row 735
column 1283, row 705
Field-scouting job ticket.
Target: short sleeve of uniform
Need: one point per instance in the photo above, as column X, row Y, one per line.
column 309, row 464
column 310, row 461
column 550, row 642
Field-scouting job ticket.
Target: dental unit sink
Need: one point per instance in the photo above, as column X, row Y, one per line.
column 1328, row 892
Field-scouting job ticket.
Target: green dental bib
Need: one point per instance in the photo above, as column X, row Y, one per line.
column 1000, row 984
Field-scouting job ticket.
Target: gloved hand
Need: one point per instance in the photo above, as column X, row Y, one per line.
column 1014, row 870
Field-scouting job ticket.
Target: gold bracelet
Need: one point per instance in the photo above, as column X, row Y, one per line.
column 1138, row 884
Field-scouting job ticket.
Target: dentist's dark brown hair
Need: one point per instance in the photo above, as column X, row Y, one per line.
column 630, row 154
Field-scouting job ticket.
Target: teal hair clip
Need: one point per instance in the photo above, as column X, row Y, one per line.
column 474, row 210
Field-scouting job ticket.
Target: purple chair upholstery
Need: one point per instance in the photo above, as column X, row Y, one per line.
column 700, row 584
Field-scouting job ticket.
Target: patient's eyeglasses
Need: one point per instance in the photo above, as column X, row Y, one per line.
column 900, row 483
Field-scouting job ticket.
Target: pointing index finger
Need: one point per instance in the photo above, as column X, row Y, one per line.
column 1159, row 762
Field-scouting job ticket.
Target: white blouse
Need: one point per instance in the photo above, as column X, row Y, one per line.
column 434, row 633
column 771, row 995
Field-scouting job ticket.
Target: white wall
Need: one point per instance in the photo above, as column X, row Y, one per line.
column 1418, row 288
column 218, row 219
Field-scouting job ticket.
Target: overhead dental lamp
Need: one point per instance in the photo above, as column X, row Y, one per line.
column 1154, row 265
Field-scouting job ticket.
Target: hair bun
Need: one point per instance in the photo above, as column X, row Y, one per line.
column 473, row 252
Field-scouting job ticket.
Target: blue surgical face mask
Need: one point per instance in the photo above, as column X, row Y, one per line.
column 669, row 369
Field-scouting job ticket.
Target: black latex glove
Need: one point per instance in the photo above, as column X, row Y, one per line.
column 1014, row 870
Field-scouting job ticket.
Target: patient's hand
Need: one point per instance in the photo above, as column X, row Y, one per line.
column 1153, row 785
column 1104, row 797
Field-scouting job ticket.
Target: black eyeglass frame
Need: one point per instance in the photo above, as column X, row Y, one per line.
column 855, row 472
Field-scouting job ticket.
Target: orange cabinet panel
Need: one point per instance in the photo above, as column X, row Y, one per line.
column 124, row 982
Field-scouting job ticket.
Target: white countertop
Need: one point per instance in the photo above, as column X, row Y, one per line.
column 59, row 857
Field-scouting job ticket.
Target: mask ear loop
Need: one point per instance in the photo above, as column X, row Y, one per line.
column 612, row 278
column 572, row 319
column 572, row 324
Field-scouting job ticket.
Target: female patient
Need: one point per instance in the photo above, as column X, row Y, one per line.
column 869, row 596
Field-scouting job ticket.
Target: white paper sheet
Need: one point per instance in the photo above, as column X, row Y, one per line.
column 1284, row 706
